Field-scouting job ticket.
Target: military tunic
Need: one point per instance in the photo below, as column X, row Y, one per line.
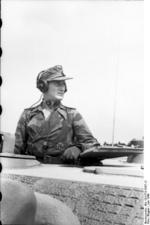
column 63, row 128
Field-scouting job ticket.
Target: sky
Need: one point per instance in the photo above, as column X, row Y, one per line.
column 99, row 43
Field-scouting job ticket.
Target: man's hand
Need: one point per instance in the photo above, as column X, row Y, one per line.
column 71, row 154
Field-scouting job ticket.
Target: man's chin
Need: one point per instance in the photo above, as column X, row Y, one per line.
column 58, row 97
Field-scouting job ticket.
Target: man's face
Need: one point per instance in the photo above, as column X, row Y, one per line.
column 56, row 90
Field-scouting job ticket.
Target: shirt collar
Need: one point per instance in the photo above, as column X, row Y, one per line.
column 49, row 104
column 61, row 109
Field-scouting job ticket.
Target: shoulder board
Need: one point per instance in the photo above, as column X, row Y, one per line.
column 69, row 108
column 31, row 108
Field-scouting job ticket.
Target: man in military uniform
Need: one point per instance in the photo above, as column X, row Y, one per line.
column 51, row 131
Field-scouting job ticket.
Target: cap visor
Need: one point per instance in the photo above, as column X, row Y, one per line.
column 61, row 78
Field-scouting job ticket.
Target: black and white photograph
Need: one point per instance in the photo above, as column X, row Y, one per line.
column 72, row 123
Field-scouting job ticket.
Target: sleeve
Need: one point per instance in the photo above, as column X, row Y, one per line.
column 21, row 135
column 83, row 135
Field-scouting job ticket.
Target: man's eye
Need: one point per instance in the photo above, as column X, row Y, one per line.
column 56, row 84
column 59, row 84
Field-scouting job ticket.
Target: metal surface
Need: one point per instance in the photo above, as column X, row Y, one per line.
column 110, row 152
column 18, row 156
column 10, row 161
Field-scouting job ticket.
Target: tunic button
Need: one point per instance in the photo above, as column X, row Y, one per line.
column 45, row 145
column 60, row 146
